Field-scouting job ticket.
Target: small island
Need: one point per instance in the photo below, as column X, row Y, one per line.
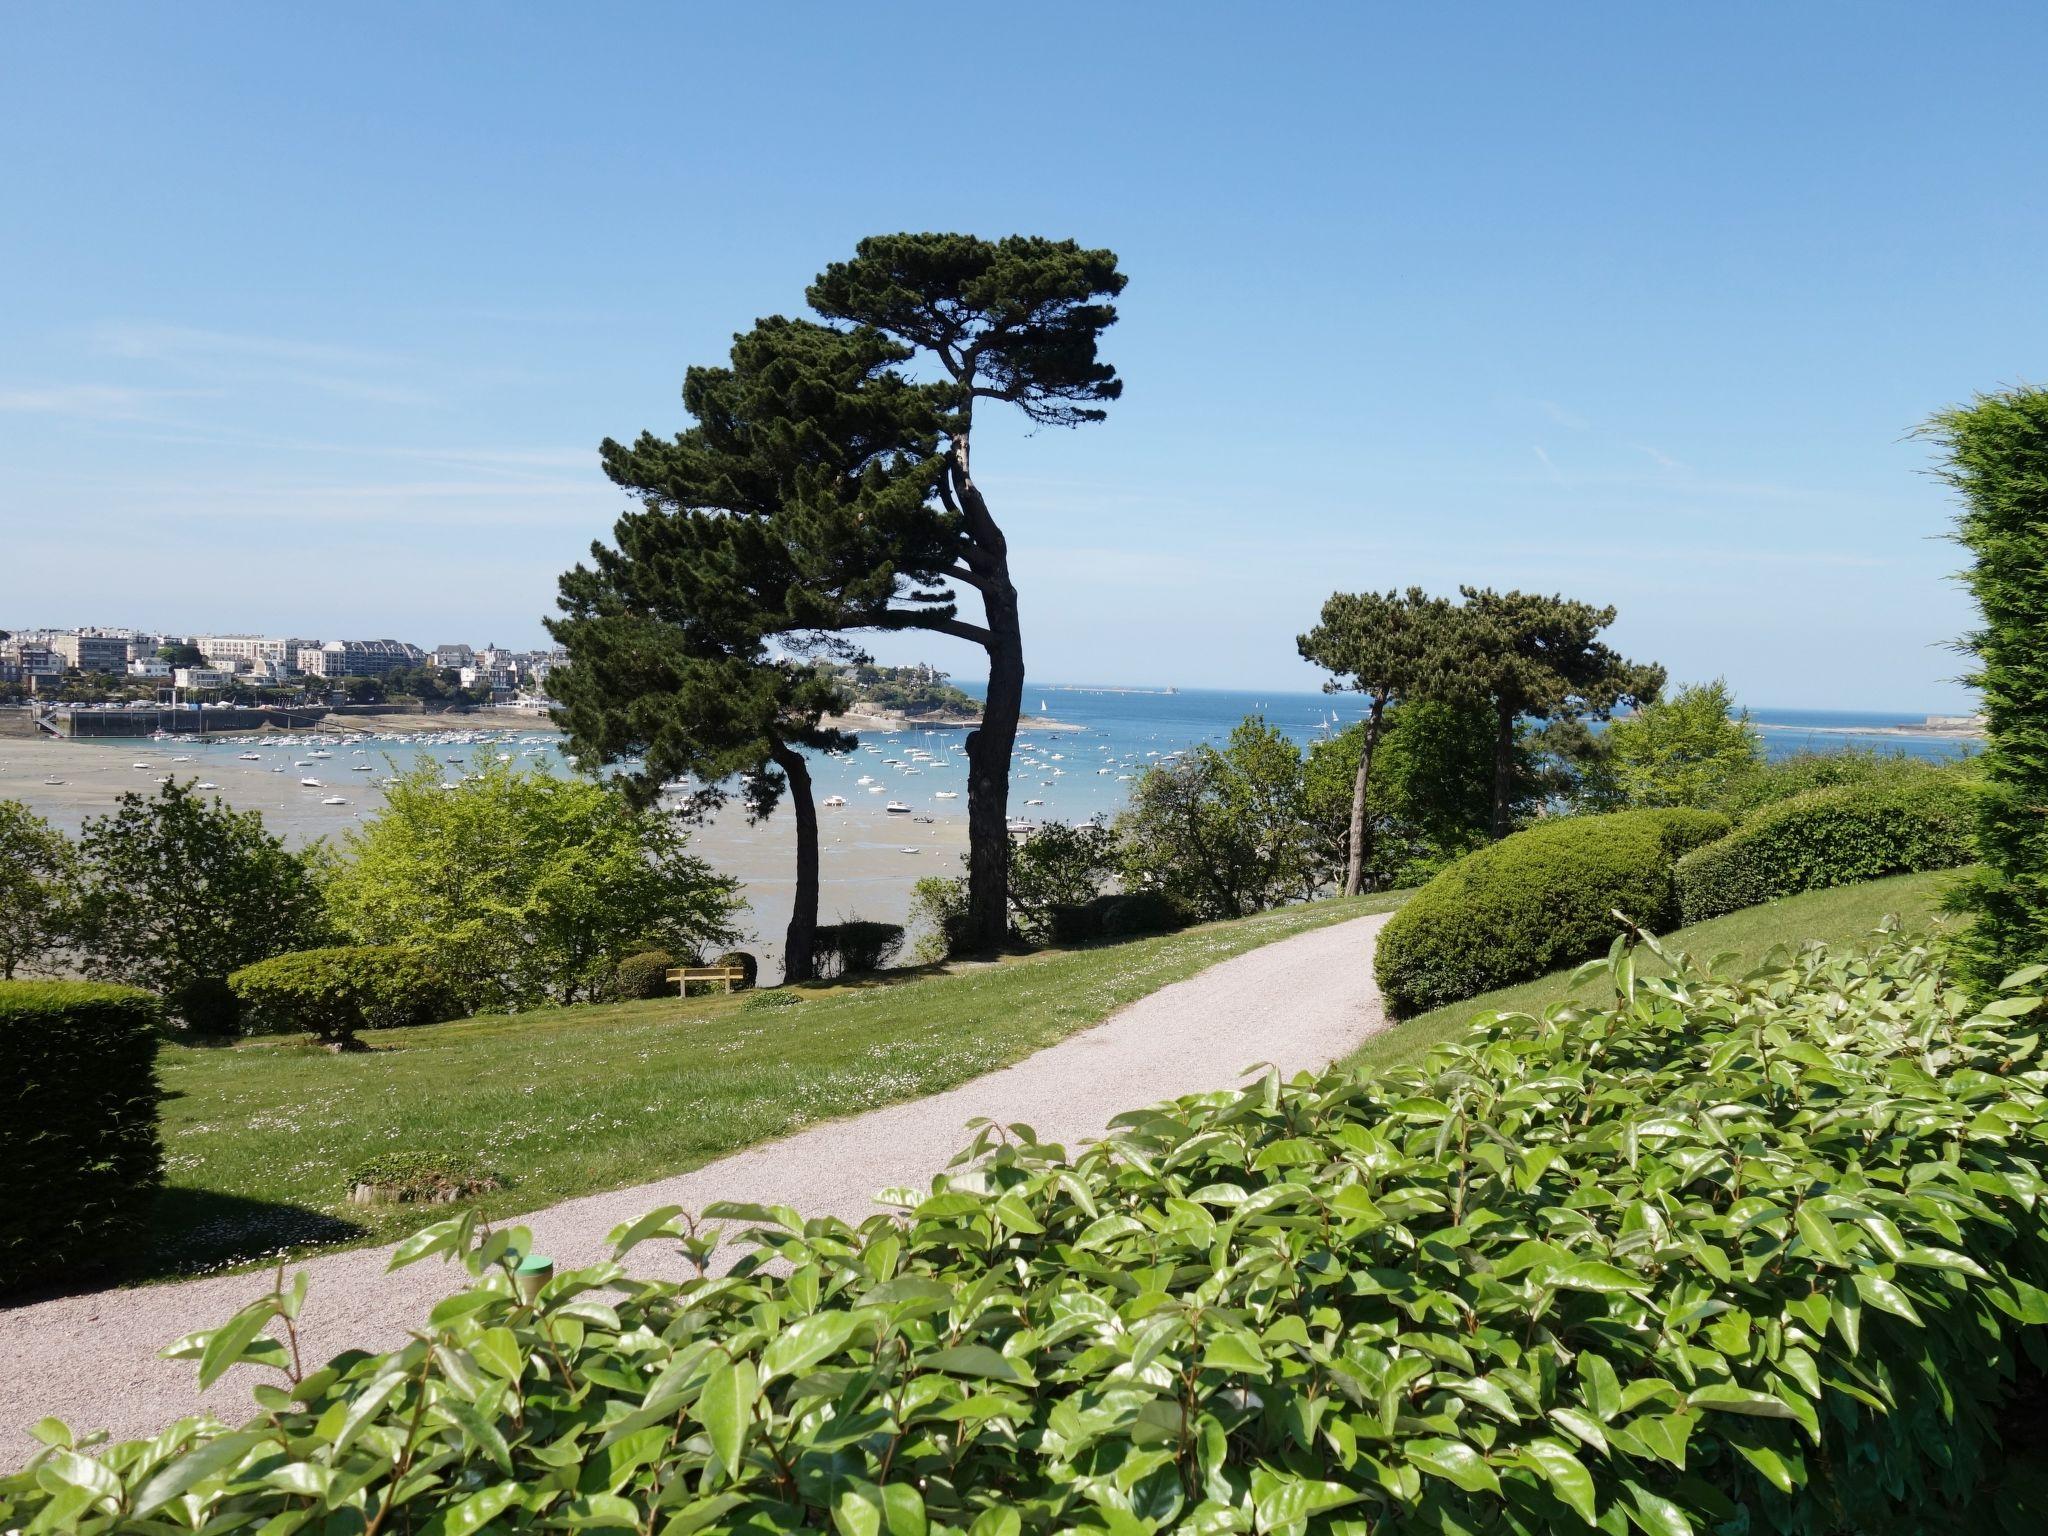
column 900, row 698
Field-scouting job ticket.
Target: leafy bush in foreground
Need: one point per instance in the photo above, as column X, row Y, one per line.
column 1750, row 1254
column 1830, row 837
column 1533, row 902
column 78, row 1132
column 333, row 993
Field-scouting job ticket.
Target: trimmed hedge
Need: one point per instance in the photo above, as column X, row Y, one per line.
column 1534, row 902
column 78, row 1132
column 330, row 994
column 1829, row 837
column 645, row 975
column 1752, row 1255
column 854, row 947
column 1118, row 915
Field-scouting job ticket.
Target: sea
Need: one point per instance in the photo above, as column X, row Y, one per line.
column 1080, row 765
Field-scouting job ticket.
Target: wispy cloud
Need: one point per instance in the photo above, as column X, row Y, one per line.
column 1658, row 457
column 347, row 372
column 1562, row 416
column 1543, row 458
column 94, row 402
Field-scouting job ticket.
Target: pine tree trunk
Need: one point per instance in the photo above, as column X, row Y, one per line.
column 801, row 936
column 989, row 747
column 1360, row 847
column 1503, row 765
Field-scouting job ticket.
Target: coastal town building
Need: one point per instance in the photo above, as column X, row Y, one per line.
column 202, row 679
column 238, row 651
column 452, row 658
column 148, row 666
column 359, row 658
column 89, row 651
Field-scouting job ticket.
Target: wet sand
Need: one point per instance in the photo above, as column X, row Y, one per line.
column 865, row 871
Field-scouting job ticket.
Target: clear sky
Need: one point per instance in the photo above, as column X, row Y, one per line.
column 311, row 317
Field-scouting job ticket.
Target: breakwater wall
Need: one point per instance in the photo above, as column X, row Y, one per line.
column 203, row 720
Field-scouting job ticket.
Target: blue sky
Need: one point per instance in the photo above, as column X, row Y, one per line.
column 314, row 316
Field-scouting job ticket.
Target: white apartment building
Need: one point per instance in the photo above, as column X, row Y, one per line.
column 240, row 651
column 359, row 658
column 202, row 679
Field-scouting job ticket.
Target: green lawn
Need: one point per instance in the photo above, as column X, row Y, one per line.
column 562, row 1102
column 1838, row 916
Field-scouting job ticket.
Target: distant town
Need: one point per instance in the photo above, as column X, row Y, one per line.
column 134, row 668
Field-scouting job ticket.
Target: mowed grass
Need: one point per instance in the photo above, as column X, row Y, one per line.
column 1841, row 916
column 260, row 1137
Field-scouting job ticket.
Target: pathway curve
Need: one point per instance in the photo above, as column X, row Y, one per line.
column 1300, row 1002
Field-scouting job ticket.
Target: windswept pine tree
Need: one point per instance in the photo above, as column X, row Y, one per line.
column 768, row 518
column 847, row 450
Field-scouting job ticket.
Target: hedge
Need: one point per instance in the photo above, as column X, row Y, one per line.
column 78, row 1134
column 1741, row 1255
column 332, row 993
column 1829, row 837
column 854, row 947
column 1534, row 902
column 1118, row 915
column 645, row 975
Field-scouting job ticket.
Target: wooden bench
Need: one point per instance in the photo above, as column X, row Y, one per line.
column 683, row 975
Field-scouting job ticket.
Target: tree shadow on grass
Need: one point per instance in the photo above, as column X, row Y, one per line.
column 192, row 1231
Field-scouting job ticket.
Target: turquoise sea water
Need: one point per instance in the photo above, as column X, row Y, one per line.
column 1066, row 774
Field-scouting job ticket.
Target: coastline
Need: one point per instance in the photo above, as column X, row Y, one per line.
column 1910, row 732
column 857, row 720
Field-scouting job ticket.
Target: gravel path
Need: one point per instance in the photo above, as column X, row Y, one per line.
column 1298, row 1003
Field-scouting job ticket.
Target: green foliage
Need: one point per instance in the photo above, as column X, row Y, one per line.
column 181, row 655
column 1995, row 456
column 526, row 887
column 1829, row 837
column 1118, row 915
column 331, row 994
column 1687, row 750
column 1767, row 783
column 1428, row 800
column 940, row 918
column 855, row 947
column 1541, row 899
column 178, row 890
column 643, row 975
column 1226, row 832
column 1058, row 867
column 38, row 868
column 1644, row 1267
column 78, row 1132
column 772, row 997
column 1535, row 658
column 919, row 691
column 1389, row 646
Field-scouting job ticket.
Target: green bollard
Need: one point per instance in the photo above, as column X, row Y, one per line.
column 533, row 1272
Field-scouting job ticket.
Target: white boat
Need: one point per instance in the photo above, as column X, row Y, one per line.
column 310, row 783
column 897, row 808
column 947, row 794
column 835, row 800
column 913, row 850
column 875, row 789
column 208, row 784
column 1034, row 802
column 334, row 800
column 53, row 781
column 138, row 765
column 364, row 768
column 1019, row 824
column 181, row 759
column 866, row 778
column 250, row 757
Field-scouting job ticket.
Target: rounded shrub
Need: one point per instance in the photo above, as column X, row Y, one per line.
column 331, row 994
column 78, row 1126
column 643, row 975
column 1536, row 901
column 1117, row 915
column 750, row 968
column 1829, row 837
column 854, row 947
